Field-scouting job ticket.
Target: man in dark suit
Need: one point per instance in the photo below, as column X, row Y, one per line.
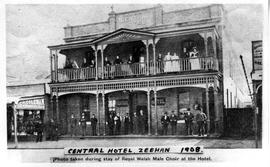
column 188, row 121
column 110, row 123
column 135, row 123
column 83, row 124
column 165, row 120
column 94, row 121
column 142, row 123
column 173, row 119
column 73, row 123
column 39, row 130
column 127, row 123
column 117, row 124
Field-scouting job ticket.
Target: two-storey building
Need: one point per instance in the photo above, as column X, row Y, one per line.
column 176, row 64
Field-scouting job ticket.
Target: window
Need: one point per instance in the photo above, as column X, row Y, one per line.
column 85, row 99
column 111, row 105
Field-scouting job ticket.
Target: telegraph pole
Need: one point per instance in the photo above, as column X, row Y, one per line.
column 254, row 104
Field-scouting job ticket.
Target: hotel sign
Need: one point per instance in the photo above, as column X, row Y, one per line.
column 257, row 52
column 132, row 20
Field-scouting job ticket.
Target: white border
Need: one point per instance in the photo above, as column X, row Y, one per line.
column 245, row 157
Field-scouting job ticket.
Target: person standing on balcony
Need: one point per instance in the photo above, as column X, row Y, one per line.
column 108, row 68
column 85, row 64
column 92, row 64
column 94, row 121
column 175, row 63
column 165, row 120
column 74, row 64
column 117, row 63
column 168, row 62
column 83, row 74
column 173, row 121
column 194, row 61
column 142, row 65
column 107, row 62
column 130, row 62
column 160, row 64
column 68, row 64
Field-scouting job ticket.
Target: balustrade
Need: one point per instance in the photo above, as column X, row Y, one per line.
column 138, row 69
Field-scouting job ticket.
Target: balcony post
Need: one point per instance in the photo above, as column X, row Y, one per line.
column 51, row 105
column 98, row 114
column 149, row 110
column 207, row 107
column 154, row 55
column 56, row 65
column 57, row 110
column 103, row 110
column 214, row 44
column 102, row 63
column 205, row 44
column 215, row 49
column 147, row 57
column 216, row 106
column 96, row 55
column 155, row 98
column 51, row 65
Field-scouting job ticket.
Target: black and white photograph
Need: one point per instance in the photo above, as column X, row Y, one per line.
column 159, row 82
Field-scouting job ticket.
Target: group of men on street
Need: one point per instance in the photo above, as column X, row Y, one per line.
column 200, row 119
column 135, row 124
column 82, row 123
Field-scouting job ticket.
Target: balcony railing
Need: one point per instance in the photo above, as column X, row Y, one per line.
column 65, row 75
column 138, row 69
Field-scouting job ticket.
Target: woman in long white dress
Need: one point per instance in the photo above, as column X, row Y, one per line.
column 194, row 61
column 167, row 63
column 175, row 63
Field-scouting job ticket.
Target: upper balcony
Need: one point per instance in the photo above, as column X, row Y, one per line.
column 137, row 70
column 135, row 54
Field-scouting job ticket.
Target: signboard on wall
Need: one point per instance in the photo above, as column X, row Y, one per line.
column 161, row 101
column 33, row 104
column 257, row 52
column 138, row 19
column 122, row 102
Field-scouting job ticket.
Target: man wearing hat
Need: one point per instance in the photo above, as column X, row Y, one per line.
column 165, row 120
column 173, row 120
column 94, row 121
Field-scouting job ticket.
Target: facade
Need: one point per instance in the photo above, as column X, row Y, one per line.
column 29, row 103
column 177, row 63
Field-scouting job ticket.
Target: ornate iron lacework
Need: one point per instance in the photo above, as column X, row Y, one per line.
column 136, row 84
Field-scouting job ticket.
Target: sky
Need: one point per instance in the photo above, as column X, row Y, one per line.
column 31, row 28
